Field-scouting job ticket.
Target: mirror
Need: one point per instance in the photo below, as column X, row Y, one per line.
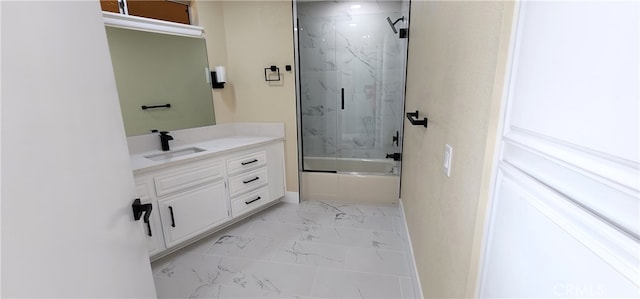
column 155, row 69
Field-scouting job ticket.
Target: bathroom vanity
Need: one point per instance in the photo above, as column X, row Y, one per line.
column 212, row 177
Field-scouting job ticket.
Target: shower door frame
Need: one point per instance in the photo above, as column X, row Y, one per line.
column 379, row 146
column 405, row 11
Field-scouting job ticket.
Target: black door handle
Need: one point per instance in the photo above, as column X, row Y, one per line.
column 173, row 220
column 342, row 97
column 139, row 208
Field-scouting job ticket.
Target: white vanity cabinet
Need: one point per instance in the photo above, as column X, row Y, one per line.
column 199, row 196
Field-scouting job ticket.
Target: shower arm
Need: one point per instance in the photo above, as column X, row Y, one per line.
column 398, row 20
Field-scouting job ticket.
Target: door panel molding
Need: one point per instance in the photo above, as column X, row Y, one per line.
column 595, row 178
column 616, row 170
column 565, row 208
column 612, row 245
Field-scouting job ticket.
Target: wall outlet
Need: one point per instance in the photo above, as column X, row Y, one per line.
column 448, row 156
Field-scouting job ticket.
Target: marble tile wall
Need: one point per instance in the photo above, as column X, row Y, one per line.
column 360, row 53
column 316, row 249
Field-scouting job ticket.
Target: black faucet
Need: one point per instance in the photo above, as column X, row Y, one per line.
column 164, row 140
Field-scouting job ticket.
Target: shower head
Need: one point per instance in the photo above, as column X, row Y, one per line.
column 393, row 27
column 393, row 24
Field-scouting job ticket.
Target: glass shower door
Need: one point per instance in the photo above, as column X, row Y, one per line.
column 318, row 92
column 352, row 69
column 370, row 80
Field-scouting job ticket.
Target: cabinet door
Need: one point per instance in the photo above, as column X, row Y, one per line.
column 160, row 10
column 110, row 5
column 152, row 230
column 190, row 213
column 275, row 166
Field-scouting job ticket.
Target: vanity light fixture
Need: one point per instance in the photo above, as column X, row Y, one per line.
column 218, row 77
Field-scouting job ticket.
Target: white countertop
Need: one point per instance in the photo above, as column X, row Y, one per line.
column 213, row 140
column 211, row 148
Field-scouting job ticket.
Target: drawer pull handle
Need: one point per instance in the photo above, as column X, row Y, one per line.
column 249, row 162
column 248, row 202
column 173, row 220
column 251, row 180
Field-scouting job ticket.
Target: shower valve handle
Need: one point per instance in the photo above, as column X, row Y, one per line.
column 395, row 156
column 396, row 139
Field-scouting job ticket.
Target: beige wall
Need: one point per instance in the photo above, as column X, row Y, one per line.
column 246, row 37
column 210, row 16
column 455, row 77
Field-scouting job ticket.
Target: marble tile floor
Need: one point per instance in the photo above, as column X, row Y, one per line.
column 314, row 249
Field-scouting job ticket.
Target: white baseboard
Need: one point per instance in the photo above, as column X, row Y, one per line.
column 292, row 197
column 412, row 267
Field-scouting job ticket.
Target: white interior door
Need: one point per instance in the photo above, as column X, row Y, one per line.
column 67, row 185
column 565, row 213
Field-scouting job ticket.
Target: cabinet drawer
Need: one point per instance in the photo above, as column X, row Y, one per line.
column 190, row 213
column 142, row 191
column 188, row 177
column 247, row 181
column 246, row 162
column 250, row 201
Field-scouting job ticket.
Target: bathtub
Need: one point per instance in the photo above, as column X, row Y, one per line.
column 355, row 180
column 352, row 166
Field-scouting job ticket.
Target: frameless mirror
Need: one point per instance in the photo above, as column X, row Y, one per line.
column 155, row 69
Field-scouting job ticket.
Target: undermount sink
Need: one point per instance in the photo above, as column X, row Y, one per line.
column 174, row 154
